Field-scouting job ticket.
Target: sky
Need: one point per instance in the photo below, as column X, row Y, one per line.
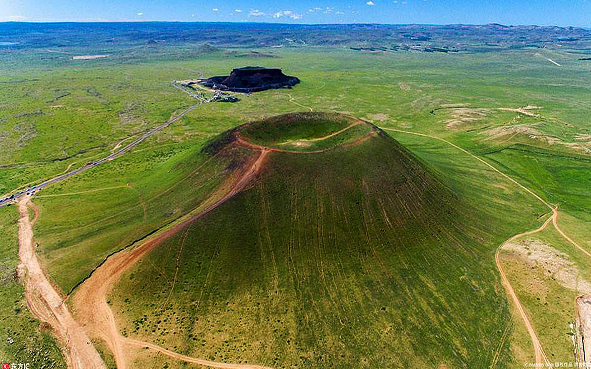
column 509, row 12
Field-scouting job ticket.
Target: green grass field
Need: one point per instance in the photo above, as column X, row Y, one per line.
column 58, row 114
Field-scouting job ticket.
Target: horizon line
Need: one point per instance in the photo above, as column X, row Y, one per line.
column 289, row 24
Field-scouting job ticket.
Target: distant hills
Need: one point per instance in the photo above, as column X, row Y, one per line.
column 459, row 36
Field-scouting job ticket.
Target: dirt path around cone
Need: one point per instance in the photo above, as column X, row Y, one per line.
column 90, row 301
column 354, row 124
column 242, row 141
column 46, row 303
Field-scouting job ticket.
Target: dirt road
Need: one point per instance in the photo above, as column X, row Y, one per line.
column 550, row 60
column 44, row 301
column 90, row 301
column 211, row 364
column 538, row 350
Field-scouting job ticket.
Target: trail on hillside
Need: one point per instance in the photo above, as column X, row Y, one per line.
column 242, row 141
column 174, row 355
column 538, row 349
column 354, row 124
column 292, row 100
column 90, row 301
column 82, row 192
column 46, row 303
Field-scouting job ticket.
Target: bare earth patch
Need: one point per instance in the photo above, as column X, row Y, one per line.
column 88, row 57
column 526, row 110
column 583, row 304
column 461, row 116
column 298, row 143
column 502, row 187
column 583, row 137
column 555, row 264
column 526, row 129
column 404, row 86
column 378, row 117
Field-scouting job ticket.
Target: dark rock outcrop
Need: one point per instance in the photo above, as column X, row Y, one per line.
column 251, row 79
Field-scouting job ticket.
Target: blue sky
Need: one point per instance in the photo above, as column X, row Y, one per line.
column 541, row 12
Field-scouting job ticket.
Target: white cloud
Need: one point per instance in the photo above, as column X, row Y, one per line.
column 12, row 18
column 238, row 10
column 370, row 3
column 215, row 10
column 256, row 13
column 287, row 13
column 140, row 14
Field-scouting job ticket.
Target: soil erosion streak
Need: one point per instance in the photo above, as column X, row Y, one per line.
column 45, row 302
column 91, row 299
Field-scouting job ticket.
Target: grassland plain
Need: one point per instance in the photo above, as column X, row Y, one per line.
column 106, row 101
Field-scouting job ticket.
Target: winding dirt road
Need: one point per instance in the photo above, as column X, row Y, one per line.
column 174, row 355
column 90, row 301
column 44, row 301
column 540, row 355
column 538, row 350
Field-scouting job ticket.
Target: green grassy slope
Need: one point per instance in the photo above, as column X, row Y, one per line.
column 128, row 204
column 357, row 257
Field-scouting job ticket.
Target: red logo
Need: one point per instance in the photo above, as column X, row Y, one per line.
column 5, row 366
